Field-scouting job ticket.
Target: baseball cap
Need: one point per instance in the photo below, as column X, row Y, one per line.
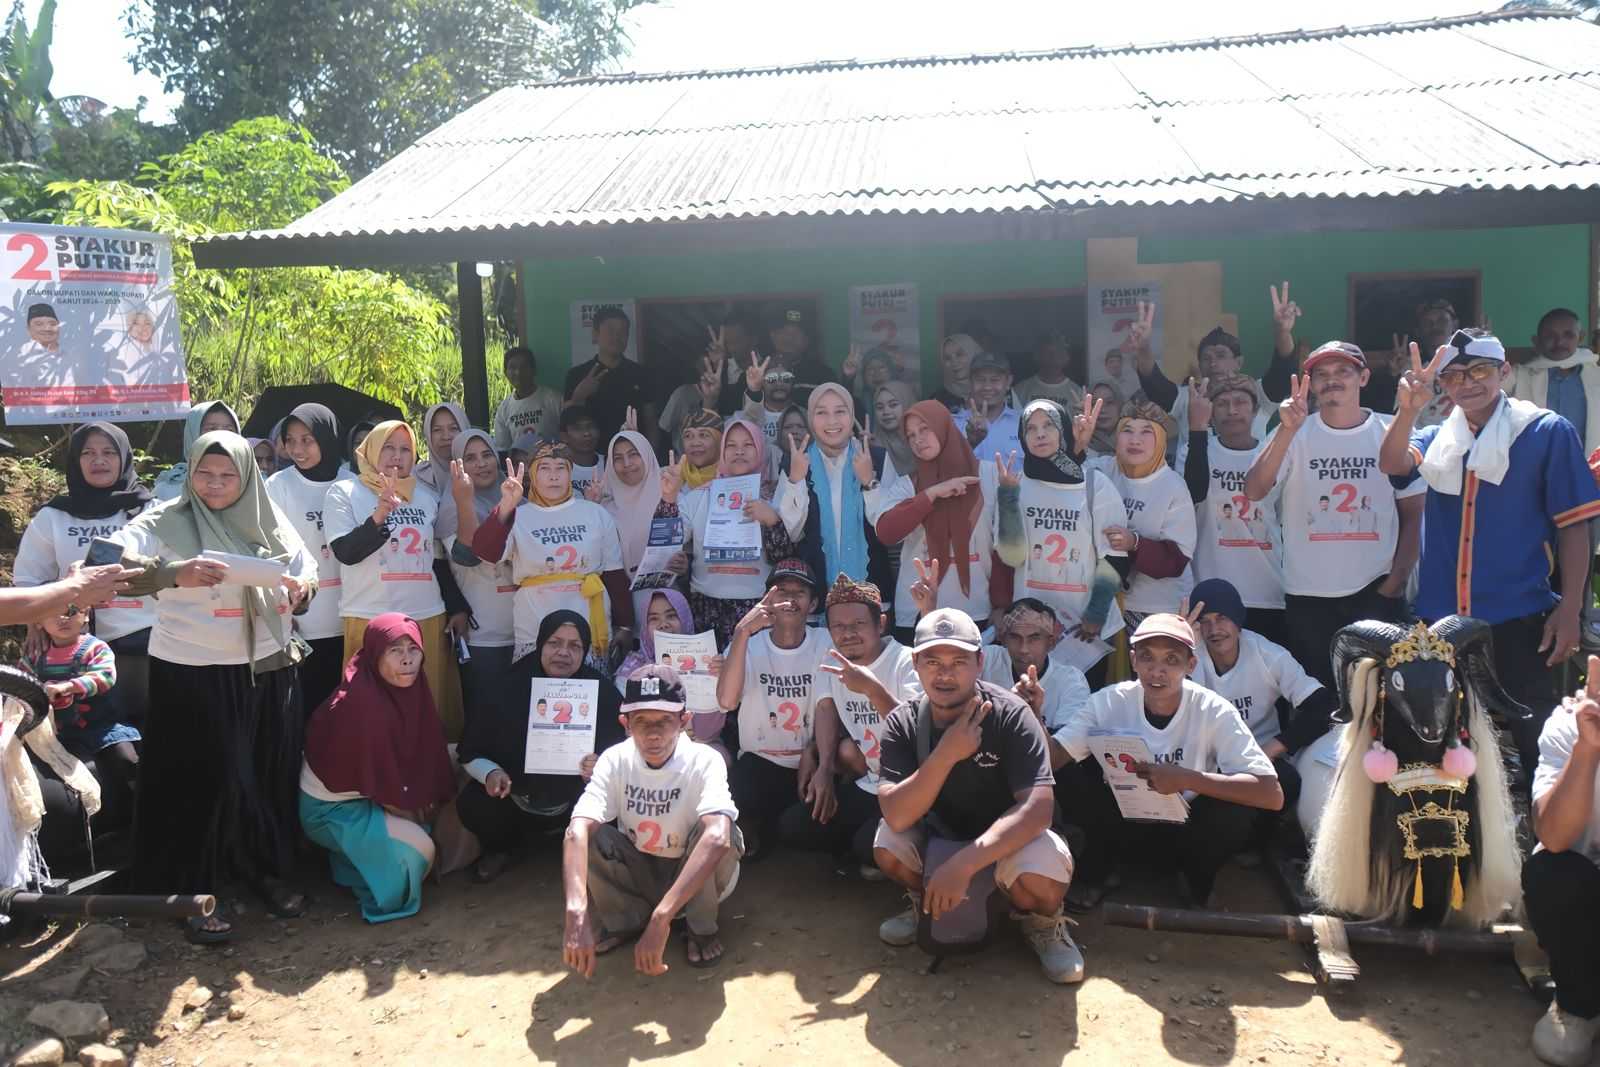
column 793, row 567
column 1473, row 344
column 1336, row 350
column 791, row 317
column 653, row 687
column 988, row 361
column 947, row 626
column 1163, row 624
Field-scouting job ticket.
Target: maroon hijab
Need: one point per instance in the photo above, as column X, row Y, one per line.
column 374, row 739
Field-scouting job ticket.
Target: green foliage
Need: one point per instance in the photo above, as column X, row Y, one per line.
column 367, row 79
column 257, row 174
column 25, row 73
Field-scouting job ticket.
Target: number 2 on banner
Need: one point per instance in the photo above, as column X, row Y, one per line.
column 37, row 251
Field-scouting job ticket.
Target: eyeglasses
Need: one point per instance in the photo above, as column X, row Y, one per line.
column 1478, row 372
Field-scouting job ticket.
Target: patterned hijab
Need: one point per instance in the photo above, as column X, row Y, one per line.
column 1060, row 468
column 1148, row 410
column 549, row 450
column 695, row 477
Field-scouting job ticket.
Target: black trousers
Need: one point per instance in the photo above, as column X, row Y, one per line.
column 761, row 791
column 499, row 824
column 321, row 672
column 1523, row 670
column 1216, row 830
column 1312, row 621
column 848, row 833
column 1559, row 890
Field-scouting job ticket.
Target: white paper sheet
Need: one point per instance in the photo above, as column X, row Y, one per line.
column 1135, row 799
column 248, row 570
column 690, row 656
column 562, row 713
column 730, row 537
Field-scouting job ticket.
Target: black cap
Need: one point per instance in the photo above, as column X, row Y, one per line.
column 791, row 317
column 653, row 687
column 41, row 311
column 793, row 567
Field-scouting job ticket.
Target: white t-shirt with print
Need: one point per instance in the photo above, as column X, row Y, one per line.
column 975, row 601
column 1066, row 689
column 582, row 477
column 1264, row 673
column 732, row 580
column 1240, row 540
column 303, row 501
column 204, row 627
column 571, row 541
column 1159, row 507
column 894, row 669
column 539, row 412
column 777, row 708
column 657, row 807
column 1206, row 734
column 1340, row 524
column 53, row 541
column 1061, row 559
column 491, row 593
column 399, row 575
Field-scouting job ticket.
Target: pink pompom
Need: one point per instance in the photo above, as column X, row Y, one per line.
column 1459, row 761
column 1379, row 763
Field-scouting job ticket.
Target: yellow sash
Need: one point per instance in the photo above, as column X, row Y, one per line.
column 594, row 591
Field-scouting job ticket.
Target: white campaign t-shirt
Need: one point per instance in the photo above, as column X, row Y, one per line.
column 303, row 500
column 1206, row 734
column 975, row 601
column 491, row 593
column 582, row 477
column 539, row 412
column 398, row 576
column 769, row 423
column 1061, row 560
column 779, row 697
column 733, row 580
column 1066, row 690
column 53, row 541
column 1159, row 507
column 204, row 627
column 861, row 720
column 657, row 807
column 1340, row 525
column 1556, row 741
column 571, row 541
column 1264, row 672
column 1240, row 540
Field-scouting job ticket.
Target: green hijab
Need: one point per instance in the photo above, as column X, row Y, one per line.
column 170, row 482
column 251, row 526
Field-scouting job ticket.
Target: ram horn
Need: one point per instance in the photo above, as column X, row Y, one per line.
column 1368, row 639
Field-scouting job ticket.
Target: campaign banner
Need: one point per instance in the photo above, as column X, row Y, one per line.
column 885, row 316
column 89, row 326
column 1112, row 309
column 580, row 327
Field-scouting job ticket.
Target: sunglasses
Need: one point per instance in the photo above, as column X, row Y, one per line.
column 1478, row 372
column 775, row 377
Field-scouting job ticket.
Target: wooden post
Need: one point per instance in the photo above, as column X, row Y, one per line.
column 1497, row 939
column 474, row 375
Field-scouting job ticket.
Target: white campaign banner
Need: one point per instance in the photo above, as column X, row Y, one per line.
column 885, row 316
column 1112, row 309
column 580, row 327
column 89, row 326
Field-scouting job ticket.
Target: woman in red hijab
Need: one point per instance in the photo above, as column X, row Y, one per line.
column 376, row 771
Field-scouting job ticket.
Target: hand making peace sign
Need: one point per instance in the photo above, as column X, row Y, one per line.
column 671, row 478
column 799, row 460
column 1296, row 407
column 1416, row 385
column 755, row 375
column 861, row 462
column 511, row 490
column 925, row 590
column 1284, row 310
column 1083, row 423
column 1009, row 476
column 1199, row 404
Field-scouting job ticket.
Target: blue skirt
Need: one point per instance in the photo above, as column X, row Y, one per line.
column 385, row 874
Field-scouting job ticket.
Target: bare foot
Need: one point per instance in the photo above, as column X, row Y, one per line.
column 703, row 950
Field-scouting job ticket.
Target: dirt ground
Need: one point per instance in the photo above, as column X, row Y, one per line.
column 478, row 974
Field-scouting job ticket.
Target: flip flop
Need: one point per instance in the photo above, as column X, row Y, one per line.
column 702, row 942
column 195, row 932
column 283, row 901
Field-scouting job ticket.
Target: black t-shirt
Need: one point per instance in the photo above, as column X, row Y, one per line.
column 626, row 385
column 1011, row 758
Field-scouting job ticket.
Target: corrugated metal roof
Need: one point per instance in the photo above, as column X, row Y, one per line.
column 1509, row 101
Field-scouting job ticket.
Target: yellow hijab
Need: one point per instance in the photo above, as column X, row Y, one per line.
column 371, row 451
column 694, row 477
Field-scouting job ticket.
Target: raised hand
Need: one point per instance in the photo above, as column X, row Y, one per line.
column 1010, row 477
column 1296, row 407
column 977, row 428
column 591, row 382
column 1199, row 404
column 1191, row 615
column 595, row 491
column 853, row 676
column 1083, row 423
column 460, row 482
column 1139, row 331
column 388, row 500
column 799, row 460
column 951, row 487
column 759, row 617
column 709, row 386
column 1416, row 386
column 1585, row 705
column 862, row 460
column 1399, row 344
column 671, row 477
column 630, row 420
column 755, row 375
column 962, row 739
column 511, row 491
column 925, row 590
column 1032, row 693
column 852, row 363
column 1284, row 310
column 717, row 350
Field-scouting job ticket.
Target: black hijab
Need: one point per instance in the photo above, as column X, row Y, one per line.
column 325, row 428
column 84, row 501
column 1061, row 468
column 359, row 430
column 501, row 733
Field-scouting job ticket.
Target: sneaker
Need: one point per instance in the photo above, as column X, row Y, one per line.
column 1562, row 1039
column 870, row 872
column 901, row 930
column 1051, row 941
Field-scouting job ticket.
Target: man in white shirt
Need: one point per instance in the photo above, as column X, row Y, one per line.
column 652, row 835
column 1200, row 747
column 1028, row 632
column 1333, row 573
column 531, row 407
column 1560, row 881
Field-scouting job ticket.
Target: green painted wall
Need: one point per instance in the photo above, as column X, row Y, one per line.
column 1525, row 271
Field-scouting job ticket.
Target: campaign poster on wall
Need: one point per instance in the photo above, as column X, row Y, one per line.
column 580, row 328
column 885, row 316
column 89, row 326
column 1113, row 307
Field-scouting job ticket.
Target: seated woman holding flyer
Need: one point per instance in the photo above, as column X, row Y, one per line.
column 504, row 804
column 1198, row 745
column 665, row 611
column 725, row 583
column 376, row 771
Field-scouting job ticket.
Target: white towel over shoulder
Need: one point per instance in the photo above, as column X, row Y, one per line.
column 1488, row 454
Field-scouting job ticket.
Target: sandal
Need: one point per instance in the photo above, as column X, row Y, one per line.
column 198, row 929
column 490, row 866
column 701, row 943
column 283, row 900
column 1085, row 896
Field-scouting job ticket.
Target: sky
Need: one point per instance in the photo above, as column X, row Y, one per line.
column 90, row 49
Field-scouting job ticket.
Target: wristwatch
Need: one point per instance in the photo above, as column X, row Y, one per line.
column 870, row 486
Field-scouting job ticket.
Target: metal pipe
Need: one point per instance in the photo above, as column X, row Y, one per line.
column 1297, row 928
column 87, row 906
